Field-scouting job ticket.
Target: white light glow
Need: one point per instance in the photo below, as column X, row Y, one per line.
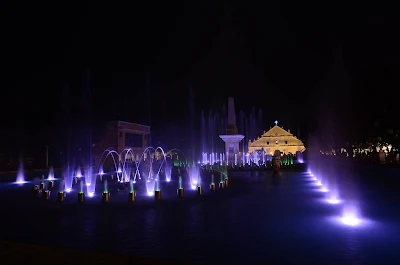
column 323, row 189
column 91, row 194
column 20, row 182
column 68, row 190
column 150, row 193
column 350, row 220
column 333, row 200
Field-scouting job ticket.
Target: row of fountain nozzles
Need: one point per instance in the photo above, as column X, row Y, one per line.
column 38, row 189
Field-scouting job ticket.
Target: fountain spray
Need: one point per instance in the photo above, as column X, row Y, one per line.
column 105, row 186
column 212, row 186
column 199, row 187
column 81, row 194
column 106, row 194
column 180, row 182
column 157, row 184
column 81, row 187
column 199, row 179
column 131, row 187
column 180, row 188
column 42, row 183
column 132, row 193
column 157, row 191
column 61, row 193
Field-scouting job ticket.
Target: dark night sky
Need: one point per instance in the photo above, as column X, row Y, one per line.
column 318, row 64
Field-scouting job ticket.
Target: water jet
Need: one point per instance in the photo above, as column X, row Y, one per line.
column 61, row 196
column 46, row 195
column 132, row 196
column 180, row 193
column 51, row 184
column 199, row 185
column 106, row 196
column 212, row 187
column 199, row 190
column 157, row 195
column 180, row 188
column 221, row 185
column 81, row 196
column 20, row 174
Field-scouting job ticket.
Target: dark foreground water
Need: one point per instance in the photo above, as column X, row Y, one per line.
column 259, row 219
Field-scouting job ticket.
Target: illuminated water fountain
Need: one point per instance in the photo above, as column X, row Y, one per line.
column 81, row 194
column 199, row 184
column 157, row 190
column 132, row 193
column 168, row 173
column 68, row 178
column 20, row 174
column 61, row 192
column 50, row 177
column 212, row 186
column 106, row 193
column 180, row 187
column 90, row 181
column 351, row 215
column 150, row 183
column 221, row 181
column 151, row 167
column 46, row 194
column 42, row 184
column 79, row 172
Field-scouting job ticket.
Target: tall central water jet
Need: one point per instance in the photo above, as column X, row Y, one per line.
column 51, row 174
column 168, row 173
column 68, row 178
column 20, row 174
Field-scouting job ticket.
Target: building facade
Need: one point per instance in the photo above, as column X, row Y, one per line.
column 119, row 135
column 277, row 139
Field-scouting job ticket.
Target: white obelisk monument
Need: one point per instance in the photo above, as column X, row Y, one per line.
column 232, row 138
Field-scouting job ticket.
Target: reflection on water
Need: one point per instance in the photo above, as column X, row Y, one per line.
column 351, row 253
column 276, row 178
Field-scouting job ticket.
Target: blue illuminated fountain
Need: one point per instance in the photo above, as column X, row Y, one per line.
column 20, row 174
